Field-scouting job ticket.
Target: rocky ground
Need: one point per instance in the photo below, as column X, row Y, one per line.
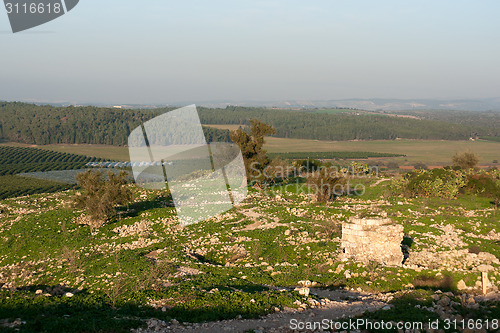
column 245, row 263
column 332, row 306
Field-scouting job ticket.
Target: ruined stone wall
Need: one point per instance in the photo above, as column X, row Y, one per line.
column 372, row 239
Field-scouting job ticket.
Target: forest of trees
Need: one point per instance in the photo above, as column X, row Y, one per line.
column 41, row 125
column 343, row 126
column 29, row 123
column 488, row 121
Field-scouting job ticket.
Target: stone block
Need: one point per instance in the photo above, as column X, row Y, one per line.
column 373, row 240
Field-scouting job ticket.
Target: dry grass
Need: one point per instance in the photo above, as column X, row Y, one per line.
column 427, row 151
column 430, row 152
column 226, row 127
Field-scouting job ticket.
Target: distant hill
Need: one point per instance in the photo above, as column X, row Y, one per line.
column 370, row 104
column 45, row 124
column 344, row 126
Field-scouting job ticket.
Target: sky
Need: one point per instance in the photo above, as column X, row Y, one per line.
column 160, row 52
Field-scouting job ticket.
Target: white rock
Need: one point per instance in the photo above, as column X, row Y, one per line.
column 461, row 285
column 304, row 291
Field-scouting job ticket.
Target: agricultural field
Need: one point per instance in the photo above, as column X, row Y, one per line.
column 226, row 127
column 18, row 160
column 332, row 155
column 412, row 151
column 107, row 152
column 335, row 111
column 429, row 152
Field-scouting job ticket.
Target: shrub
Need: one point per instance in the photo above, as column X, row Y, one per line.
column 359, row 169
column 327, row 183
column 474, row 249
column 99, row 197
column 485, row 184
column 308, row 165
column 392, row 165
column 278, row 171
column 465, row 160
column 443, row 183
column 420, row 166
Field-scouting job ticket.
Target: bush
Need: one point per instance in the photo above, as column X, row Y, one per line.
column 474, row 249
column 420, row 166
column 278, row 171
column 308, row 165
column 465, row 160
column 485, row 184
column 393, row 165
column 327, row 183
column 100, row 197
column 443, row 183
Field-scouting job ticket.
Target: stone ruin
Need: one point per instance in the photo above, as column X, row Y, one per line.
column 372, row 239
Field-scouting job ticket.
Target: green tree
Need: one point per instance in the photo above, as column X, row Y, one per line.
column 465, row 160
column 251, row 144
column 326, row 183
column 99, row 197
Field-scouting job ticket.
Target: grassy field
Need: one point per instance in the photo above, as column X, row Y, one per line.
column 226, row 127
column 102, row 151
column 58, row 277
column 429, row 152
column 336, row 111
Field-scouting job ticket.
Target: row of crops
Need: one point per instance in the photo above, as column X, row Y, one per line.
column 18, row 155
column 13, row 169
column 330, row 155
column 15, row 186
column 15, row 160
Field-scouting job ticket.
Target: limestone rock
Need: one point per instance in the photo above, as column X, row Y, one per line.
column 461, row 285
column 373, row 239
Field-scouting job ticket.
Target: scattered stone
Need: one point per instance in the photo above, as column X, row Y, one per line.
column 461, row 285
column 444, row 301
column 303, row 291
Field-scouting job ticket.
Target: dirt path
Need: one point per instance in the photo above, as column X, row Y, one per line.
column 379, row 181
column 334, row 305
column 260, row 222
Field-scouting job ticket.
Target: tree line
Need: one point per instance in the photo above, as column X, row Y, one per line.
column 45, row 124
column 342, row 126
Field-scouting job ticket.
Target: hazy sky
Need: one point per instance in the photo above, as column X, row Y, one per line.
column 162, row 51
